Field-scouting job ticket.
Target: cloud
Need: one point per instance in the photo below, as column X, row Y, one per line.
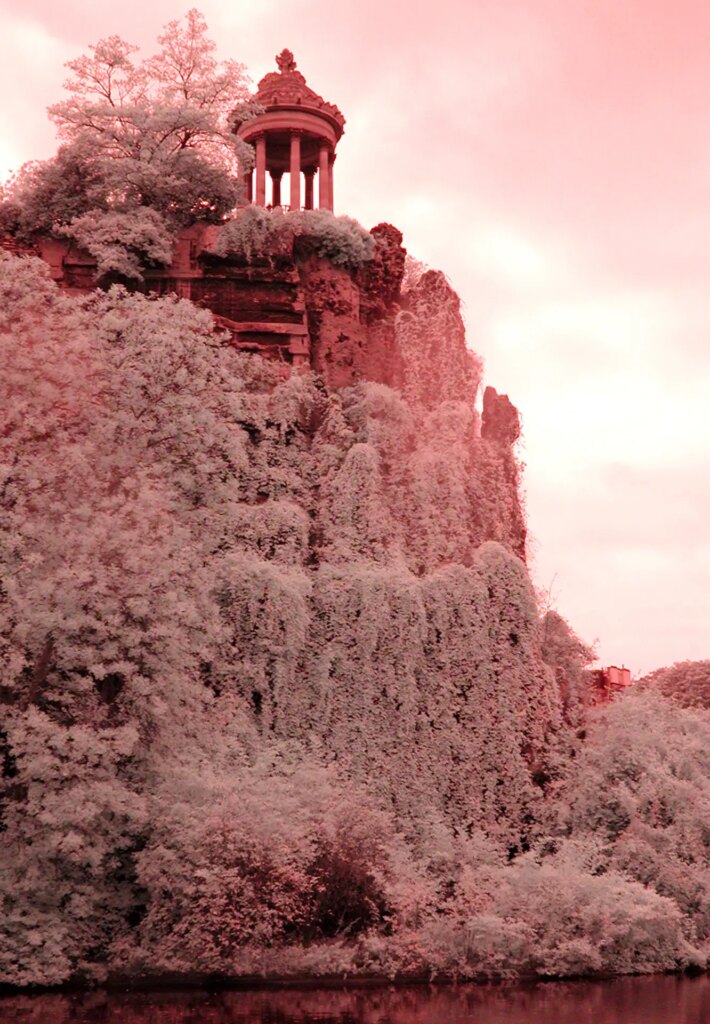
column 32, row 78
column 502, row 253
column 629, row 552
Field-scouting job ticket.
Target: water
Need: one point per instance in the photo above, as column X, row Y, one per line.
column 660, row 1000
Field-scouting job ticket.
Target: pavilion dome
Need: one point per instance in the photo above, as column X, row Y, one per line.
column 286, row 89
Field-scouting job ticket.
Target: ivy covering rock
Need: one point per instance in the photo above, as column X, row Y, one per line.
column 253, row 721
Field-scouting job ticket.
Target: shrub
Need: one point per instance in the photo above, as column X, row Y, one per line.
column 123, row 243
column 339, row 239
column 686, row 683
column 413, row 271
column 349, row 872
column 641, row 789
column 286, row 852
column 577, row 923
column 552, row 919
column 257, row 234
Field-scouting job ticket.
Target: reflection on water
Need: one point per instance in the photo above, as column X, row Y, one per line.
column 621, row 1001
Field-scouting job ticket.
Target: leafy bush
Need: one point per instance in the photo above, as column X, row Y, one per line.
column 45, row 194
column 685, row 682
column 339, row 239
column 123, row 243
column 286, row 851
column 414, row 269
column 350, row 867
column 257, row 234
column 64, row 890
column 568, row 656
column 549, row 918
column 578, row 923
column 641, row 788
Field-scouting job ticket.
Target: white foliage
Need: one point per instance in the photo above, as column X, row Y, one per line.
column 123, row 242
column 277, row 691
column 642, row 784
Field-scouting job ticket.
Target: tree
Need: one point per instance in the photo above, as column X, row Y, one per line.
column 101, row 574
column 104, row 616
column 156, row 133
column 640, row 795
column 685, row 682
column 569, row 657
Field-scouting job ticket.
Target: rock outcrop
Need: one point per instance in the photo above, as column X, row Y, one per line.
column 442, row 478
column 230, row 562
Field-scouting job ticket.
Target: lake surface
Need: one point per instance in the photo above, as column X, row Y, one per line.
column 621, row 1001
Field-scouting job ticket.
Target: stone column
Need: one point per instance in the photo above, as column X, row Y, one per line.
column 248, row 186
column 323, row 177
column 276, row 187
column 309, row 175
column 331, row 161
column 261, row 170
column 295, row 170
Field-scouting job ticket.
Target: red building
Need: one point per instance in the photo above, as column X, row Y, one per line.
column 610, row 681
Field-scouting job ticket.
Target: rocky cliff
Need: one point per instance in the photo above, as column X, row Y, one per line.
column 289, row 601
column 276, row 698
column 381, row 517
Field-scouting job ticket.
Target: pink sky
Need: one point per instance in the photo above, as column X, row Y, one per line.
column 553, row 158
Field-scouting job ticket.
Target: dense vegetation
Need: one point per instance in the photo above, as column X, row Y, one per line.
column 686, row 683
column 146, row 148
column 276, row 694
column 241, row 734
column 256, row 233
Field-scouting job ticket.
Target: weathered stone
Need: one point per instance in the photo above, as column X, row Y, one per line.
column 382, row 275
column 501, row 420
column 431, row 337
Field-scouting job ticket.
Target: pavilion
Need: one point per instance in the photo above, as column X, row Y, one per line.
column 297, row 132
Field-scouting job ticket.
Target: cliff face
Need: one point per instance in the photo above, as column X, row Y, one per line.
column 275, row 695
column 230, row 576
column 385, row 539
column 368, row 536
column 372, row 612
column 443, row 483
column 443, row 479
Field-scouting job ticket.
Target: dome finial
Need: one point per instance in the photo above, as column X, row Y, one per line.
column 285, row 61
